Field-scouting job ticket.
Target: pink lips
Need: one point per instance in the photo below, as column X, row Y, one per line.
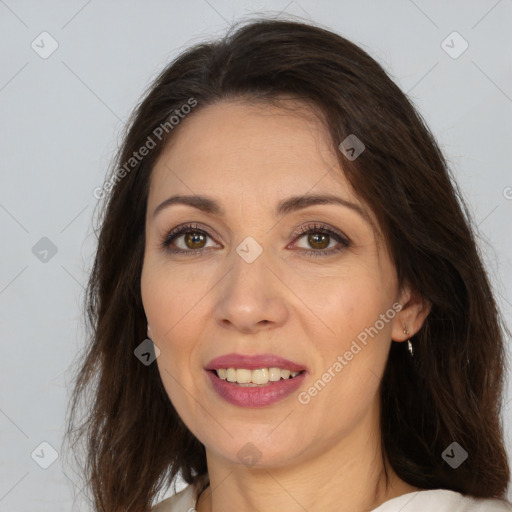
column 253, row 362
column 257, row 396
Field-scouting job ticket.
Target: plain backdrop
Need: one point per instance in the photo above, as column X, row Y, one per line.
column 72, row 71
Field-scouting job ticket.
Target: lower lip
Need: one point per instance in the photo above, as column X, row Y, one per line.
column 257, row 396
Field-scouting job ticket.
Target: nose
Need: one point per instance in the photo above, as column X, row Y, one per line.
column 251, row 297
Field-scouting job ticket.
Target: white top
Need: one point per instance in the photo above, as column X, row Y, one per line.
column 435, row 500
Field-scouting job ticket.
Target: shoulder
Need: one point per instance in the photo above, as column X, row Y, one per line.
column 442, row 500
column 183, row 501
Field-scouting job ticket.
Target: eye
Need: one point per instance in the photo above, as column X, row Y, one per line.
column 320, row 238
column 188, row 239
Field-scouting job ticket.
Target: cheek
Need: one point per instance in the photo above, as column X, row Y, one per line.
column 348, row 306
column 175, row 306
column 354, row 341
column 171, row 330
column 164, row 308
column 172, row 302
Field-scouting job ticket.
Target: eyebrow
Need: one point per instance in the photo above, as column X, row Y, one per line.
column 292, row 204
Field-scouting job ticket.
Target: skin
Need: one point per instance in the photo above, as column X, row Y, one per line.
column 325, row 455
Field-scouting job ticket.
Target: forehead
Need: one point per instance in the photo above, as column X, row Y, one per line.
column 259, row 148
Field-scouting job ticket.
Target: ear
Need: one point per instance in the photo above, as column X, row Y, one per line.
column 408, row 321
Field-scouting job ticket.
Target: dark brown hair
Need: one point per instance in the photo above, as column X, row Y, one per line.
column 450, row 391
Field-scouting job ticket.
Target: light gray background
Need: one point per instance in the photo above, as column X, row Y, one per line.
column 61, row 119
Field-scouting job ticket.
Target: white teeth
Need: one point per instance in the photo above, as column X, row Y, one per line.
column 274, row 374
column 243, row 376
column 259, row 376
column 252, row 378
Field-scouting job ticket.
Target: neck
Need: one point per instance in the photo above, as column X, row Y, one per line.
column 349, row 476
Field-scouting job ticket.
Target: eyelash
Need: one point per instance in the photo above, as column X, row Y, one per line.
column 304, row 230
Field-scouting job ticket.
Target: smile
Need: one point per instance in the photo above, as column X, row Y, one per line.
column 252, row 378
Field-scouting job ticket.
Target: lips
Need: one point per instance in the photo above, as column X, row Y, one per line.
column 253, row 362
column 259, row 396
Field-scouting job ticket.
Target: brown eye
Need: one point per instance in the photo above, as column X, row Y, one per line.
column 319, row 240
column 185, row 240
column 194, row 240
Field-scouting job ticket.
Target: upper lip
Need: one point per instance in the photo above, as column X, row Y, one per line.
column 253, row 362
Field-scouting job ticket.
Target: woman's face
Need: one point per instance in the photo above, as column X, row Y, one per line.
column 263, row 270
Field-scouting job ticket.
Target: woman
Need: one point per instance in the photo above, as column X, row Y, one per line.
column 287, row 304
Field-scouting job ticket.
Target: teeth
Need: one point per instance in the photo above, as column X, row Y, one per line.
column 274, row 374
column 259, row 376
column 252, row 378
column 243, row 376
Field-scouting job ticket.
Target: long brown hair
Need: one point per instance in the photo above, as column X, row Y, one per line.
column 450, row 391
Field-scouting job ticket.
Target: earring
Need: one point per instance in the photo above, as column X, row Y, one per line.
column 409, row 344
